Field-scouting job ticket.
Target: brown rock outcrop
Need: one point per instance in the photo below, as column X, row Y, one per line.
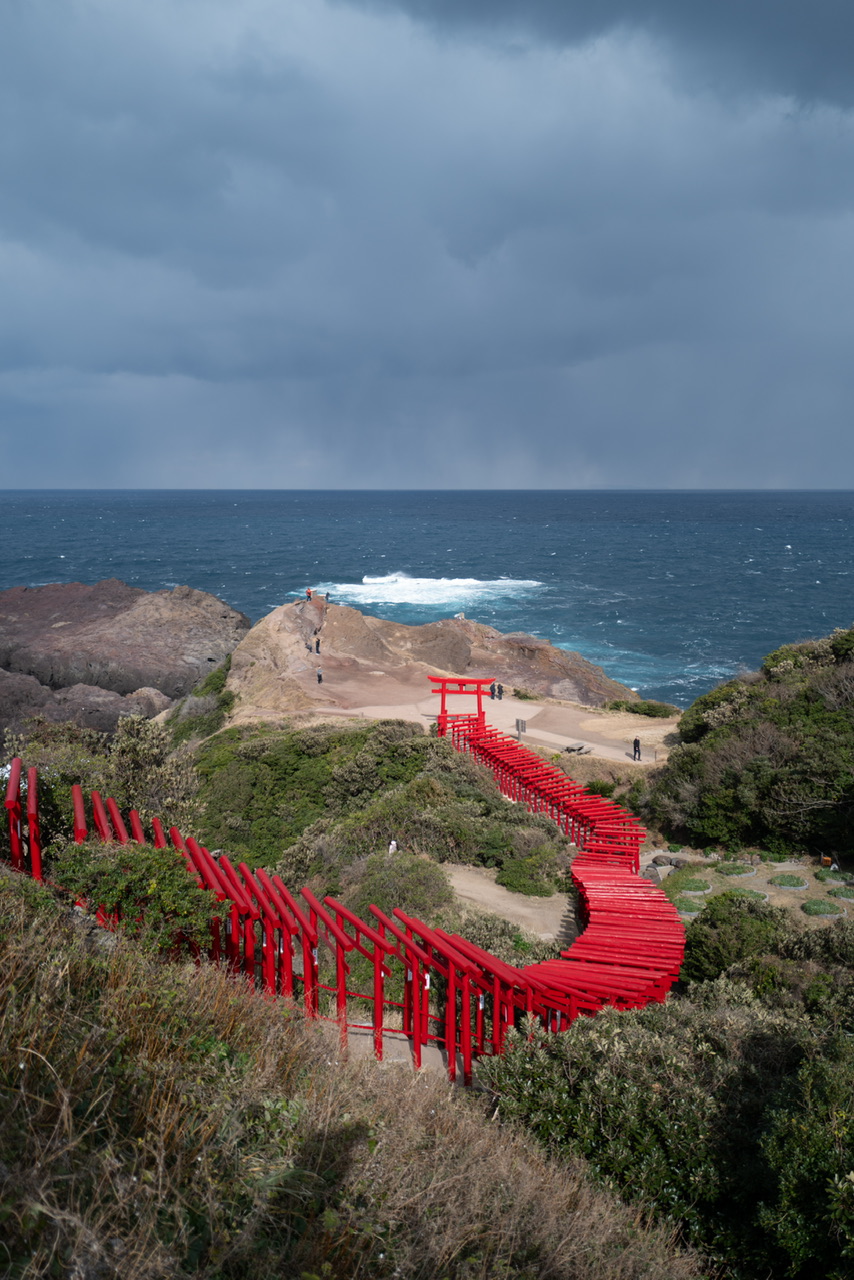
column 116, row 637
column 273, row 669
column 22, row 697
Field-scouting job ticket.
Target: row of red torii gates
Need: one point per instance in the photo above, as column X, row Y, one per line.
column 452, row 993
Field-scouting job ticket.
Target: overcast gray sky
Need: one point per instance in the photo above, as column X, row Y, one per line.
column 427, row 243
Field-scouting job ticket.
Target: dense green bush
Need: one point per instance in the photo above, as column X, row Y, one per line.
column 538, row 874
column 417, row 886
column 644, row 707
column 807, row 1144
column 137, row 766
column 311, row 801
column 601, row 787
column 669, row 1104
column 767, row 760
column 731, row 929
column 150, row 889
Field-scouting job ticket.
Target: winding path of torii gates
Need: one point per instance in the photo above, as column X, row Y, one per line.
column 454, row 994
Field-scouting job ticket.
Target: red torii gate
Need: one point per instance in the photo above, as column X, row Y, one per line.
column 445, row 686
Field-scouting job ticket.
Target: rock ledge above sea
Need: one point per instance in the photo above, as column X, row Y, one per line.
column 367, row 661
column 91, row 653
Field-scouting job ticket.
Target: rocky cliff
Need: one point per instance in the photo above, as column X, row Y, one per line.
column 93, row 652
column 366, row 660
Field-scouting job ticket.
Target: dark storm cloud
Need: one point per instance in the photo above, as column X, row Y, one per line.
column 799, row 47
column 298, row 243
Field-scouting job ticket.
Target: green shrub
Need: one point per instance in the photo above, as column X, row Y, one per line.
column 695, row 885
column 536, row 875
column 151, row 889
column 731, row 929
column 766, row 761
column 833, row 945
column 601, row 787
column 733, row 869
column 501, row 938
column 310, row 801
column 524, row 695
column 847, row 891
column 824, row 874
column 807, row 1143
column 666, row 1104
column 415, row 885
column 753, row 894
column 821, row 907
column 788, row 881
column 644, row 707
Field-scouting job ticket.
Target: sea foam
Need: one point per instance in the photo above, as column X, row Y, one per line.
column 446, row 593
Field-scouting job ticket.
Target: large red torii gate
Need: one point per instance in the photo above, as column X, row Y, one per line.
column 477, row 687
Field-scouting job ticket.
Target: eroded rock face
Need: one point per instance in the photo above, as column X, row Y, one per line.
column 116, row 637
column 274, row 667
column 22, row 697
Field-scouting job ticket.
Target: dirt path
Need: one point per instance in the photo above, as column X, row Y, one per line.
column 552, row 919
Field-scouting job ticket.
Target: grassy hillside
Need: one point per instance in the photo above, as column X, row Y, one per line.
column 159, row 1121
column 315, row 801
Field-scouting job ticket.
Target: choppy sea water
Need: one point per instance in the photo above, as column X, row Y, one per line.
column 669, row 592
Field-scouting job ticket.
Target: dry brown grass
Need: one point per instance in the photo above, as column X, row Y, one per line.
column 160, row 1121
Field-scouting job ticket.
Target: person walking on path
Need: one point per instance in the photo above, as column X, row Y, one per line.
column 492, row 690
column 320, row 675
column 317, row 645
column 636, row 749
column 500, row 691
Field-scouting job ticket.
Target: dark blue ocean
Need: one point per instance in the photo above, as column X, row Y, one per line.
column 670, row 592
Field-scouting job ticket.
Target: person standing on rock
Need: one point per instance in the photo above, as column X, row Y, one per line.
column 636, row 749
column 308, row 593
column 320, row 675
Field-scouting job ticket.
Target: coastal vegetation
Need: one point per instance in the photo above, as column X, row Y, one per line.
column 314, row 801
column 644, row 707
column 727, row 1109
column 766, row 760
column 158, row 1120
column 205, row 710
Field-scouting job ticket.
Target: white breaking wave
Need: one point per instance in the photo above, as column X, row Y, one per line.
column 446, row 593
